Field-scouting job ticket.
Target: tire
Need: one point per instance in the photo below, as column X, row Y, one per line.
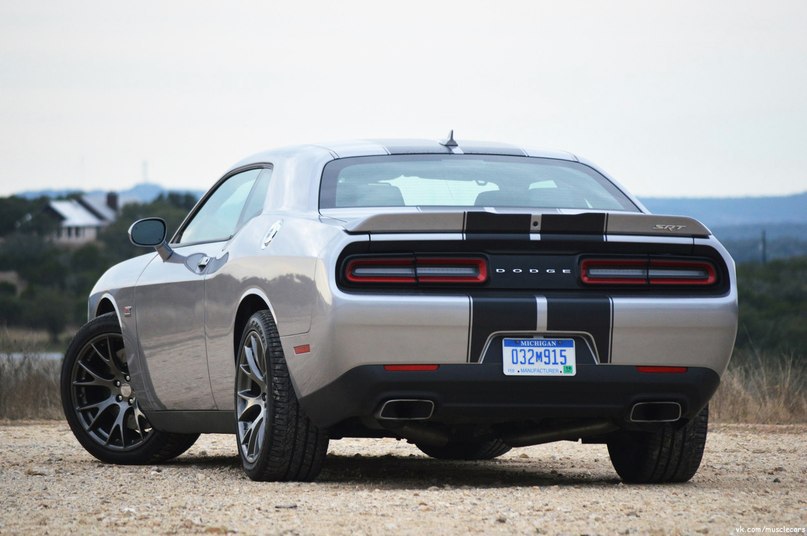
column 668, row 455
column 276, row 440
column 101, row 406
column 470, row 450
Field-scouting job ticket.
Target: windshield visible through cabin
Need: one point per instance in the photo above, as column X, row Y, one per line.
column 467, row 181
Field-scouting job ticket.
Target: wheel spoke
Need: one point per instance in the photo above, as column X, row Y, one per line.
column 251, row 401
column 117, row 425
column 251, row 352
column 254, row 435
column 138, row 414
column 97, row 379
column 104, row 358
column 101, row 405
column 110, row 402
column 119, row 366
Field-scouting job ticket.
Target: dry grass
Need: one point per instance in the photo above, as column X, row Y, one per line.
column 29, row 386
column 757, row 389
column 763, row 389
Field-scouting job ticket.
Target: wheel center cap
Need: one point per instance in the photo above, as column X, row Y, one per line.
column 125, row 390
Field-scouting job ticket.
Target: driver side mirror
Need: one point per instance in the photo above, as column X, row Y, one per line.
column 151, row 232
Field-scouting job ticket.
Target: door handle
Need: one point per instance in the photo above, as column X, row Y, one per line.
column 203, row 263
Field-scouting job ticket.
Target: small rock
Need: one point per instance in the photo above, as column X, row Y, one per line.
column 776, row 480
column 501, row 519
column 523, row 455
column 36, row 471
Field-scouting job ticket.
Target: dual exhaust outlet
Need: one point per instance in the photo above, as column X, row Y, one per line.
column 414, row 409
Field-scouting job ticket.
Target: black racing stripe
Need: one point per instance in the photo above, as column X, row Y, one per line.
column 488, row 222
column 581, row 224
column 492, row 314
column 593, row 315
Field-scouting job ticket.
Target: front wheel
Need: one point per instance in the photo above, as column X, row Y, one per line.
column 276, row 440
column 101, row 404
column 667, row 455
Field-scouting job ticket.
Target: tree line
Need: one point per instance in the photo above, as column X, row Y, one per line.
column 57, row 280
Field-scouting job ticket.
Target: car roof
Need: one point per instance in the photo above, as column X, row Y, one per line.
column 381, row 147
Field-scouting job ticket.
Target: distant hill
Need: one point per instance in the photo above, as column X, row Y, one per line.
column 751, row 228
column 723, row 212
column 144, row 192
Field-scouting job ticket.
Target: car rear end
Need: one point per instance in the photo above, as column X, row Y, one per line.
column 524, row 323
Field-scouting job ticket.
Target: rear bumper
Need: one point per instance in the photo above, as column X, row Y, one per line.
column 481, row 393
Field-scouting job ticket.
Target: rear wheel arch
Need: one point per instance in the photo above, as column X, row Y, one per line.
column 250, row 304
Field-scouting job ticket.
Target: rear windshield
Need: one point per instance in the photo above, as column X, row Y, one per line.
column 467, row 181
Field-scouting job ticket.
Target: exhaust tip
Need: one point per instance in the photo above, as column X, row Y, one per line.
column 655, row 412
column 406, row 410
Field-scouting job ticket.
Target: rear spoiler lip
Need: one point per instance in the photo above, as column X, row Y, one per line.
column 488, row 222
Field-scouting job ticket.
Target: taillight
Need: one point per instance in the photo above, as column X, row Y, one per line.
column 412, row 270
column 647, row 272
column 681, row 273
column 381, row 270
column 613, row 272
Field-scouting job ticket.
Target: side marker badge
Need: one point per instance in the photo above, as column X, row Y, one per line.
column 127, row 310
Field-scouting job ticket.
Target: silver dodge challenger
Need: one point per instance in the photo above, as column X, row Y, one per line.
column 466, row 297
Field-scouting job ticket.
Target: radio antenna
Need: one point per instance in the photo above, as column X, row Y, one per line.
column 450, row 141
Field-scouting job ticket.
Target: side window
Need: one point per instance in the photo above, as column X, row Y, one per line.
column 219, row 217
column 257, row 198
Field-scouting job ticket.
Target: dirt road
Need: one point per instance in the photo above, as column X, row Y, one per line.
column 751, row 477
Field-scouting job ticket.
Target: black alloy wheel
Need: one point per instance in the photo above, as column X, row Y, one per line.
column 100, row 402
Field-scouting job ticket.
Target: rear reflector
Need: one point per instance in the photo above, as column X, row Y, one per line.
column 661, row 370
column 409, row 368
column 302, row 349
column 647, row 272
column 413, row 270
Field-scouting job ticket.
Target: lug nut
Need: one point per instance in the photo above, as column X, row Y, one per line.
column 117, row 383
column 131, row 401
column 127, row 378
column 119, row 398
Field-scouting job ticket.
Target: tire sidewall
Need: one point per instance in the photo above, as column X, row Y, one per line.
column 256, row 326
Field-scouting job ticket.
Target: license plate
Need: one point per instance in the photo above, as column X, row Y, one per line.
column 538, row 357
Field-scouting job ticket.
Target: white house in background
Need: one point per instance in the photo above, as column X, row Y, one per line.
column 81, row 219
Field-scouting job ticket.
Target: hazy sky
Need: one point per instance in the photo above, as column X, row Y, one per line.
column 679, row 98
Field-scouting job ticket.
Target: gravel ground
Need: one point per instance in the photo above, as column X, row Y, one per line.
column 751, row 477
